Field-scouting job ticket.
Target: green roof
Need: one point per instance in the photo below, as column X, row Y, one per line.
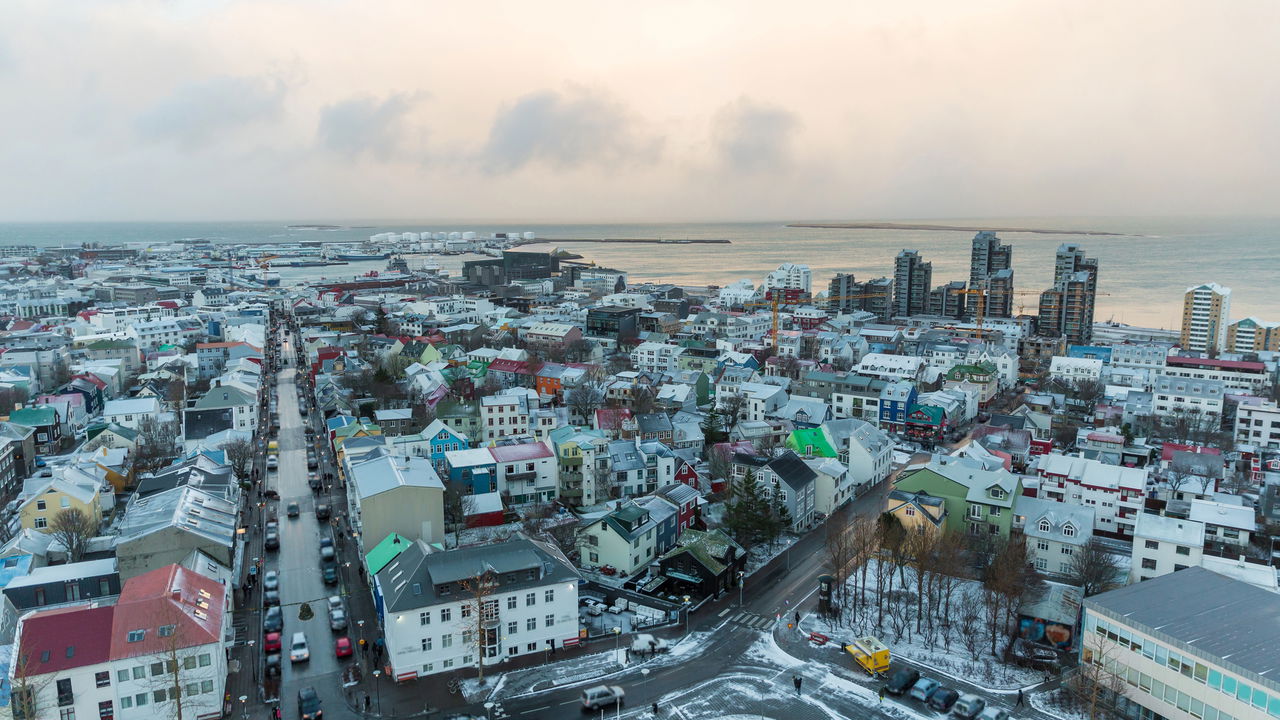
column 112, row 345
column 707, row 547
column 963, row 372
column 801, row 440
column 33, row 416
column 384, row 552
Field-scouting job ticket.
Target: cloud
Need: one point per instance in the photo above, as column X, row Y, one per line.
column 366, row 126
column 207, row 112
column 567, row 130
column 750, row 137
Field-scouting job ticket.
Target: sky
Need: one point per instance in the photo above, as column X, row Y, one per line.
column 617, row 111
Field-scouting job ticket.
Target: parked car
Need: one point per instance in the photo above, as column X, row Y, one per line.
column 342, row 647
column 993, row 713
column 271, row 581
column 968, row 707
column 271, row 642
column 293, row 510
column 608, row 570
column 943, row 698
column 309, row 704
column 924, row 689
column 271, row 541
column 330, row 575
column 312, row 464
column 270, row 598
column 273, row 462
column 298, row 650
column 901, row 681
column 646, row 644
column 335, row 602
column 271, row 664
column 327, row 555
column 271, row 494
column 326, row 542
column 313, row 480
column 602, row 695
column 273, row 620
column 337, row 619
column 322, row 512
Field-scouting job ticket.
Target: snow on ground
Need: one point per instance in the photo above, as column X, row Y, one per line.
column 760, row 555
column 1058, row 703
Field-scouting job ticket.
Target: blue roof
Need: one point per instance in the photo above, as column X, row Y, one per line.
column 12, row 567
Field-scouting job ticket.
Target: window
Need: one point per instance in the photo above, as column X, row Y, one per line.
column 449, row 662
column 446, row 614
column 466, row 611
column 975, row 511
column 549, row 595
column 1068, row 550
column 446, row 640
column 1183, row 550
column 102, row 679
column 193, row 688
column 511, row 603
column 67, row 714
column 530, row 599
column 106, row 710
column 551, row 620
column 206, row 686
column 40, row 505
column 512, row 627
column 1042, row 545
column 1148, row 564
column 1069, row 530
column 1041, row 564
column 140, row 672
column 189, row 662
column 424, row 618
column 531, row 624
column 122, row 675
column 136, row 635
column 41, row 523
column 205, row 660
column 467, row 637
column 1153, row 545
column 65, row 502
column 1044, row 528
column 167, row 630
column 157, row 668
column 158, row 695
column 994, row 512
column 426, row 644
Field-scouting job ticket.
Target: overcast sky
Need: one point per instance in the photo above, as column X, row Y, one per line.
column 600, row 110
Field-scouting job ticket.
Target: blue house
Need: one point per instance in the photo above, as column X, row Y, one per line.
column 474, row 470
column 443, row 439
column 1090, row 352
column 896, row 400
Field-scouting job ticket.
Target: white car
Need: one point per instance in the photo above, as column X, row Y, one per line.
column 273, row 462
column 602, row 695
column 298, row 650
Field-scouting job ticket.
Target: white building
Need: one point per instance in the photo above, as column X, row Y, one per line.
column 1178, row 395
column 655, row 357
column 112, row 320
column 1206, row 312
column 445, row 610
column 891, row 367
column 790, row 276
column 130, row 412
column 1258, row 425
column 1194, row 644
column 1114, row 493
column 1054, row 532
column 1162, row 545
column 504, row 415
column 1071, row 369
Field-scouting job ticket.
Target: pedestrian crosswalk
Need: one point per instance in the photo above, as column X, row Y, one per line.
column 752, row 620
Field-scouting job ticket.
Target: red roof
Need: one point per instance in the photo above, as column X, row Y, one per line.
column 503, row 365
column 93, row 379
column 171, row 595
column 611, row 418
column 171, row 304
column 1166, row 452
column 1216, row 363
column 523, row 451
column 72, row 637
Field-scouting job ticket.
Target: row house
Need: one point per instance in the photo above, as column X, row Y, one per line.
column 640, row 467
column 583, row 459
column 1115, row 493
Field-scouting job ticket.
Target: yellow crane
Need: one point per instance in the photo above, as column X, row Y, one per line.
column 777, row 300
column 264, row 262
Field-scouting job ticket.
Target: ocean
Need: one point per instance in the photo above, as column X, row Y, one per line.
column 1143, row 272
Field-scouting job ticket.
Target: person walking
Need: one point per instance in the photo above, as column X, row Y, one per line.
column 1019, row 704
column 797, row 681
column 655, row 709
column 366, row 702
column 881, row 694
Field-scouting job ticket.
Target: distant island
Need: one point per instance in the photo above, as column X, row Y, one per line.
column 962, row 228
column 314, row 227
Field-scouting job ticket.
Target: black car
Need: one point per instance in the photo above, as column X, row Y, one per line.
column 309, row 704
column 330, row 574
column 322, row 512
column 901, row 681
column 943, row 698
column 271, row 598
column 313, row 479
column 271, row 665
column 312, row 463
column 273, row 620
column 271, row 541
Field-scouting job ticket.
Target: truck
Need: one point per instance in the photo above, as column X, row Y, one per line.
column 870, row 654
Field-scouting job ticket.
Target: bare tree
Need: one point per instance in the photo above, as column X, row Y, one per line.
column 1093, row 684
column 479, row 614
column 969, row 623
column 26, row 694
column 588, row 396
column 718, row 465
column 733, row 407
column 920, row 543
column 458, row 504
column 643, row 401
column 74, row 528
column 604, row 481
column 578, row 351
column 1094, row 569
column 1179, row 473
column 840, row 548
column 155, row 445
column 240, row 455
column 174, row 668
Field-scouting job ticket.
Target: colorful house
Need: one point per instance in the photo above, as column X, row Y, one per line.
column 976, row 501
column 442, row 439
column 926, row 423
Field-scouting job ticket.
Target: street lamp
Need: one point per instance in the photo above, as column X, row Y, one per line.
column 488, row 709
column 617, row 641
column 740, row 576
column 244, row 709
column 378, row 688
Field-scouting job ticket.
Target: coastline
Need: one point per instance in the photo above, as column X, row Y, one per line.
column 958, row 228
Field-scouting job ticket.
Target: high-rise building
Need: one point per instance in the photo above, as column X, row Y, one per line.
column 988, row 257
column 847, row 295
column 998, row 301
column 948, row 300
column 1253, row 335
column 912, row 280
column 1205, row 314
column 790, row 276
column 1066, row 309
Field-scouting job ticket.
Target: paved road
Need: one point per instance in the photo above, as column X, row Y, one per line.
column 299, row 561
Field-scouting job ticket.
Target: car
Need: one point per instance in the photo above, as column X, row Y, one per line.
column 943, row 698
column 271, row 581
column 646, row 644
column 273, row 526
column 337, row 619
column 313, row 480
column 273, row 462
column 271, row 664
column 993, row 713
column 335, row 602
column 901, row 681
column 327, row 555
column 270, row 598
column 303, row 410
column 322, row 512
column 273, row 620
column 330, row 575
column 608, row 570
column 298, row 650
column 271, row 541
column 309, row 704
column 271, row 494
column 271, row 642
column 968, row 707
column 602, row 695
column 342, row 647
column 924, row 689
column 325, row 542
column 292, row 510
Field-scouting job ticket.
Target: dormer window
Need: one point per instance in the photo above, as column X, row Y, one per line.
column 997, row 493
column 1069, row 530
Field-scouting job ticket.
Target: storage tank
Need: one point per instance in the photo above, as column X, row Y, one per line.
column 468, row 236
column 455, row 236
column 440, row 236
column 409, row 237
column 530, row 236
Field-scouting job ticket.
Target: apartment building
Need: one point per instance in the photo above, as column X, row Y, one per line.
column 504, row 415
column 1163, row 545
column 1055, row 532
column 912, row 280
column 1194, row 644
column 1253, row 335
column 1206, row 310
column 1237, row 376
column 1114, row 493
column 1179, row 395
column 1258, row 425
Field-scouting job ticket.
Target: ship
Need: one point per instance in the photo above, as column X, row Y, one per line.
column 357, row 256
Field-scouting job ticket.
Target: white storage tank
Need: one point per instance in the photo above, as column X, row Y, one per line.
column 468, row 236
column 409, row 237
column 530, row 236
column 439, row 236
column 455, row 236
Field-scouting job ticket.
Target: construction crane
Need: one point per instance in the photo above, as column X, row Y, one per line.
column 264, row 262
column 777, row 300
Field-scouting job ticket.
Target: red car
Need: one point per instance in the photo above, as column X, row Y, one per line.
column 608, row 570
column 271, row 643
column 342, row 647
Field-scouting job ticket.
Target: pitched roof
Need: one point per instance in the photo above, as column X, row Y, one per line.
column 65, row 638
column 167, row 596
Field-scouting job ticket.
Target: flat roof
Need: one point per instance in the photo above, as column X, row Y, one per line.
column 1229, row 621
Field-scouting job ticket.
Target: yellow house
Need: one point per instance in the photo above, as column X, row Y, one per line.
column 53, row 495
column 917, row 510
